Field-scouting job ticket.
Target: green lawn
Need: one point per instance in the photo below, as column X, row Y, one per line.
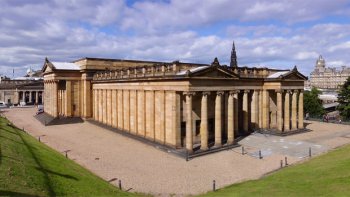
column 326, row 175
column 30, row 168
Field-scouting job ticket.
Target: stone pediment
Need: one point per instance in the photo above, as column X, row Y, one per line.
column 212, row 72
column 294, row 74
column 48, row 66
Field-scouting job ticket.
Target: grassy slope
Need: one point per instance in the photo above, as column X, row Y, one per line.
column 326, row 175
column 32, row 168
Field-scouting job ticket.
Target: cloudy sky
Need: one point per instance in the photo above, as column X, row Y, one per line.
column 274, row 33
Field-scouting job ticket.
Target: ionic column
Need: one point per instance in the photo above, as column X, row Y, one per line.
column 235, row 119
column 55, row 103
column 279, row 110
column 254, row 110
column 109, row 107
column 94, row 104
column 266, row 110
column 294, row 110
column 286, row 111
column 37, row 97
column 189, row 133
column 245, row 110
column 261, row 110
column 301, row 110
column 218, row 119
column 230, row 117
column 69, row 109
column 104, row 101
column 257, row 108
column 204, row 121
column 30, row 96
column 100, row 105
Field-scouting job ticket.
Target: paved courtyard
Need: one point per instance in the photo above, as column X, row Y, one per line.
column 143, row 168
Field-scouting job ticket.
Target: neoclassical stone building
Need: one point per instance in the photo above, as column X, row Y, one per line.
column 323, row 77
column 22, row 90
column 181, row 105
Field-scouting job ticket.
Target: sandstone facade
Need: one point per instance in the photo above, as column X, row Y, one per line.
column 181, row 105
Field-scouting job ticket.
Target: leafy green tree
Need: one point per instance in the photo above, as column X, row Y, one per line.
column 312, row 104
column 344, row 99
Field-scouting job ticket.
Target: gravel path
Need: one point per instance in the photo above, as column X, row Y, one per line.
column 143, row 168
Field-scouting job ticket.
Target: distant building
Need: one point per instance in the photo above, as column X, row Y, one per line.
column 327, row 78
column 28, row 89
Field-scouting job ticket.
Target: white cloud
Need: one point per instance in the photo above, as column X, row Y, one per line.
column 194, row 31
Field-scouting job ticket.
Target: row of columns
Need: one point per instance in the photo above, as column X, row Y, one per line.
column 22, row 99
column 285, row 122
column 218, row 118
column 259, row 116
column 51, row 97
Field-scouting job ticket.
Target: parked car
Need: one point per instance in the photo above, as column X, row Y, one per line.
column 3, row 104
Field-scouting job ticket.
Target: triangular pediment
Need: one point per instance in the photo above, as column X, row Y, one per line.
column 47, row 67
column 294, row 75
column 214, row 72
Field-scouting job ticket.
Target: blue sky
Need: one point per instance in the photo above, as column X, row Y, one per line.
column 278, row 34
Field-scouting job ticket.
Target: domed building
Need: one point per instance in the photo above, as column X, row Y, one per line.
column 328, row 78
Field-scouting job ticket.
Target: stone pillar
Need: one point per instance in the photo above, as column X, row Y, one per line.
column 204, row 121
column 257, row 108
column 261, row 110
column 55, row 99
column 36, row 97
column 104, row 101
column 114, row 108
column 230, row 117
column 86, row 95
column 286, row 111
column 94, row 102
column 30, row 96
column 235, row 119
column 69, row 98
column 245, row 111
column 294, row 110
column 109, row 107
column 218, row 119
column 279, row 110
column 100, row 105
column 254, row 110
column 189, row 133
column 266, row 110
column 301, row 110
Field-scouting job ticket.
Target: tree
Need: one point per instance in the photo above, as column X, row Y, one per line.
column 312, row 104
column 344, row 99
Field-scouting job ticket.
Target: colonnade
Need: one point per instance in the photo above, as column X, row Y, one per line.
column 51, row 97
column 151, row 114
column 23, row 94
column 156, row 114
column 256, row 109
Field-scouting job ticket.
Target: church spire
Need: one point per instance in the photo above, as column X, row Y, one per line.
column 233, row 62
